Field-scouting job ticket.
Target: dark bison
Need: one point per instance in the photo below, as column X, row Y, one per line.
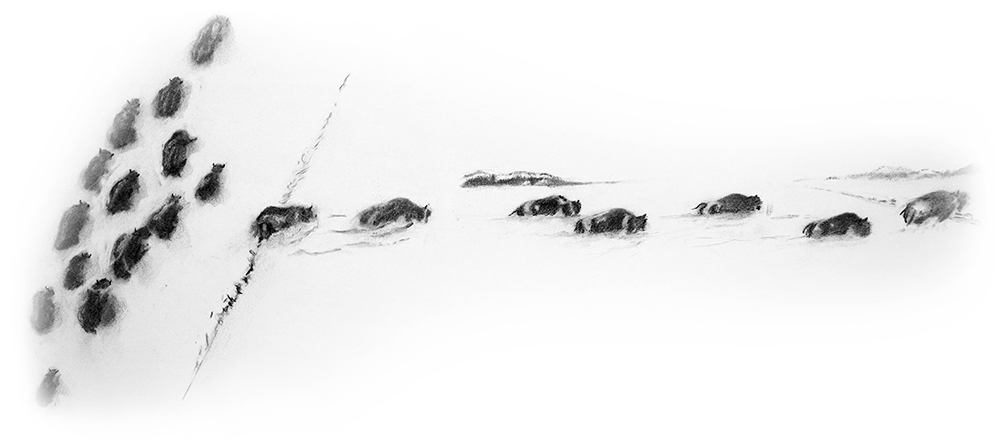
column 99, row 307
column 277, row 218
column 209, row 185
column 76, row 271
column 398, row 209
column 733, row 203
column 548, row 206
column 168, row 99
column 839, row 225
column 96, row 169
column 163, row 221
column 43, row 311
column 612, row 221
column 175, row 153
column 123, row 193
column 939, row 204
column 122, row 131
column 209, row 38
column 128, row 250
column 72, row 223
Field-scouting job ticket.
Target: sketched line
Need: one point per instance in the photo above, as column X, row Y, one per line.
column 316, row 253
column 884, row 202
column 230, row 300
column 355, row 244
column 303, row 166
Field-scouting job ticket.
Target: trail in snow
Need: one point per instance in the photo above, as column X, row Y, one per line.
column 301, row 169
column 229, row 301
column 885, row 202
column 341, row 248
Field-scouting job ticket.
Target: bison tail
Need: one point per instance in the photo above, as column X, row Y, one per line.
column 908, row 214
column 808, row 230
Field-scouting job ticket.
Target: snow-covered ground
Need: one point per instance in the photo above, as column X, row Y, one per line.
column 479, row 328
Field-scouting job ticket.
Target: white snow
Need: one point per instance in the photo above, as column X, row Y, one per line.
column 478, row 328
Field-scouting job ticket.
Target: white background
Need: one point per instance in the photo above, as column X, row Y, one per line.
column 778, row 87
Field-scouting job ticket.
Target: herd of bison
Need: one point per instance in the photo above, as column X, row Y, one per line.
column 98, row 305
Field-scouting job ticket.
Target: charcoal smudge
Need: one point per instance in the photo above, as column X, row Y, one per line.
column 96, row 170
column 43, row 312
column 72, row 223
column 163, row 222
column 49, row 387
column 99, row 307
column 123, row 193
column 276, row 218
column 209, row 186
column 168, row 99
column 129, row 249
column 76, row 271
column 175, row 153
column 123, row 129
column 209, row 38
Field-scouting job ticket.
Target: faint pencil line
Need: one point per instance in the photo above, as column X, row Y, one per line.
column 230, row 300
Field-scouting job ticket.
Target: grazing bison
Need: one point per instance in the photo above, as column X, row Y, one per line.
column 612, row 221
column 123, row 193
column 96, row 169
column 733, row 203
column 398, row 209
column 548, row 206
column 277, row 218
column 99, row 307
column 76, row 271
column 939, row 204
column 122, row 131
column 163, row 221
column 209, row 185
column 72, row 223
column 43, row 311
column 49, row 387
column 175, row 153
column 839, row 225
column 209, row 38
column 128, row 250
column 168, row 99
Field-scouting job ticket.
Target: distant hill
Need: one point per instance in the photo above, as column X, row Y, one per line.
column 901, row 173
column 516, row 178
